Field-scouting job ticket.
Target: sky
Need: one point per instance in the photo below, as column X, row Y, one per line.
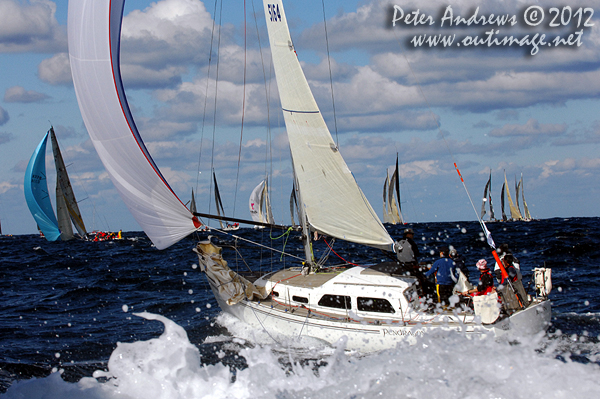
column 499, row 108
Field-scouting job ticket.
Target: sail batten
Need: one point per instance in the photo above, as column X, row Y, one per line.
column 331, row 200
column 94, row 39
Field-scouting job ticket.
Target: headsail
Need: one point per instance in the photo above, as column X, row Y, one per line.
column 36, row 193
column 94, row 29
column 65, row 190
column 330, row 200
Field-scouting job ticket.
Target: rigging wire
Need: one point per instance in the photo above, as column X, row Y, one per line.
column 330, row 75
column 481, row 222
column 237, row 177
column 212, row 157
column 212, row 35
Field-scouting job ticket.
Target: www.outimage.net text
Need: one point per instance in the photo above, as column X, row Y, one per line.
column 558, row 18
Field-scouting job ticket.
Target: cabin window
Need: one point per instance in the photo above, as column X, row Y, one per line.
column 374, row 305
column 275, row 293
column 335, row 301
column 299, row 299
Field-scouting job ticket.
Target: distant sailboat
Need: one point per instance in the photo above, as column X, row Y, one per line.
column 515, row 214
column 526, row 214
column 38, row 197
column 193, row 203
column 487, row 198
column 259, row 203
column 392, row 213
column 504, row 218
column 65, row 198
column 220, row 209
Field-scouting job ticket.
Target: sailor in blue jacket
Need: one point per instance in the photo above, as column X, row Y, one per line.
column 446, row 276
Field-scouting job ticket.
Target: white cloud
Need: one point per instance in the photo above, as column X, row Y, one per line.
column 56, row 70
column 18, row 94
column 531, row 127
column 30, row 26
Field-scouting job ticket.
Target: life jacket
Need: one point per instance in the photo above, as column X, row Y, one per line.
column 490, row 288
column 404, row 251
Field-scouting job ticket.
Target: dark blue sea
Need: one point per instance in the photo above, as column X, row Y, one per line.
column 69, row 307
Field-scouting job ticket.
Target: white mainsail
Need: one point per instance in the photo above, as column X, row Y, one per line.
column 330, row 200
column 94, row 28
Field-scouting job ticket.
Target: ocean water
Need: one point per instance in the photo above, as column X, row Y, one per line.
column 123, row 320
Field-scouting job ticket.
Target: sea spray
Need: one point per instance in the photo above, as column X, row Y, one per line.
column 441, row 364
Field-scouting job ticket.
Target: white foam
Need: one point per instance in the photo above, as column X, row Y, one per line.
column 443, row 365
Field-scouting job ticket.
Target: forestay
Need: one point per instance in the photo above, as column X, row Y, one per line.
column 94, row 28
column 330, row 198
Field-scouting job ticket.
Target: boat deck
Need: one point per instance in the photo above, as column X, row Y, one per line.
column 293, row 277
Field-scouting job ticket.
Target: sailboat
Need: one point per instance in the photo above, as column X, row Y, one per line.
column 260, row 204
column 392, row 213
column 220, row 209
column 53, row 227
column 487, row 199
column 526, row 214
column 373, row 306
column 502, row 196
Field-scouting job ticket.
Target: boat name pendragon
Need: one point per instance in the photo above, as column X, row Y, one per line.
column 416, row 333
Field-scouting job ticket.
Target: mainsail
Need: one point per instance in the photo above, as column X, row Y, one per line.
column 218, row 202
column 36, row 193
column 330, row 200
column 504, row 218
column 514, row 211
column 64, row 190
column 94, row 30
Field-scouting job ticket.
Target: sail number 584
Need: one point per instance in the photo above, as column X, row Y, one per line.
column 274, row 12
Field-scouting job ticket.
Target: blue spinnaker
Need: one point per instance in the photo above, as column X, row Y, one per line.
column 36, row 193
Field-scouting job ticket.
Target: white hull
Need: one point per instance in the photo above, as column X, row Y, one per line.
column 371, row 336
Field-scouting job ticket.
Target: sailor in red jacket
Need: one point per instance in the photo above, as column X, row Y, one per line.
column 486, row 280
